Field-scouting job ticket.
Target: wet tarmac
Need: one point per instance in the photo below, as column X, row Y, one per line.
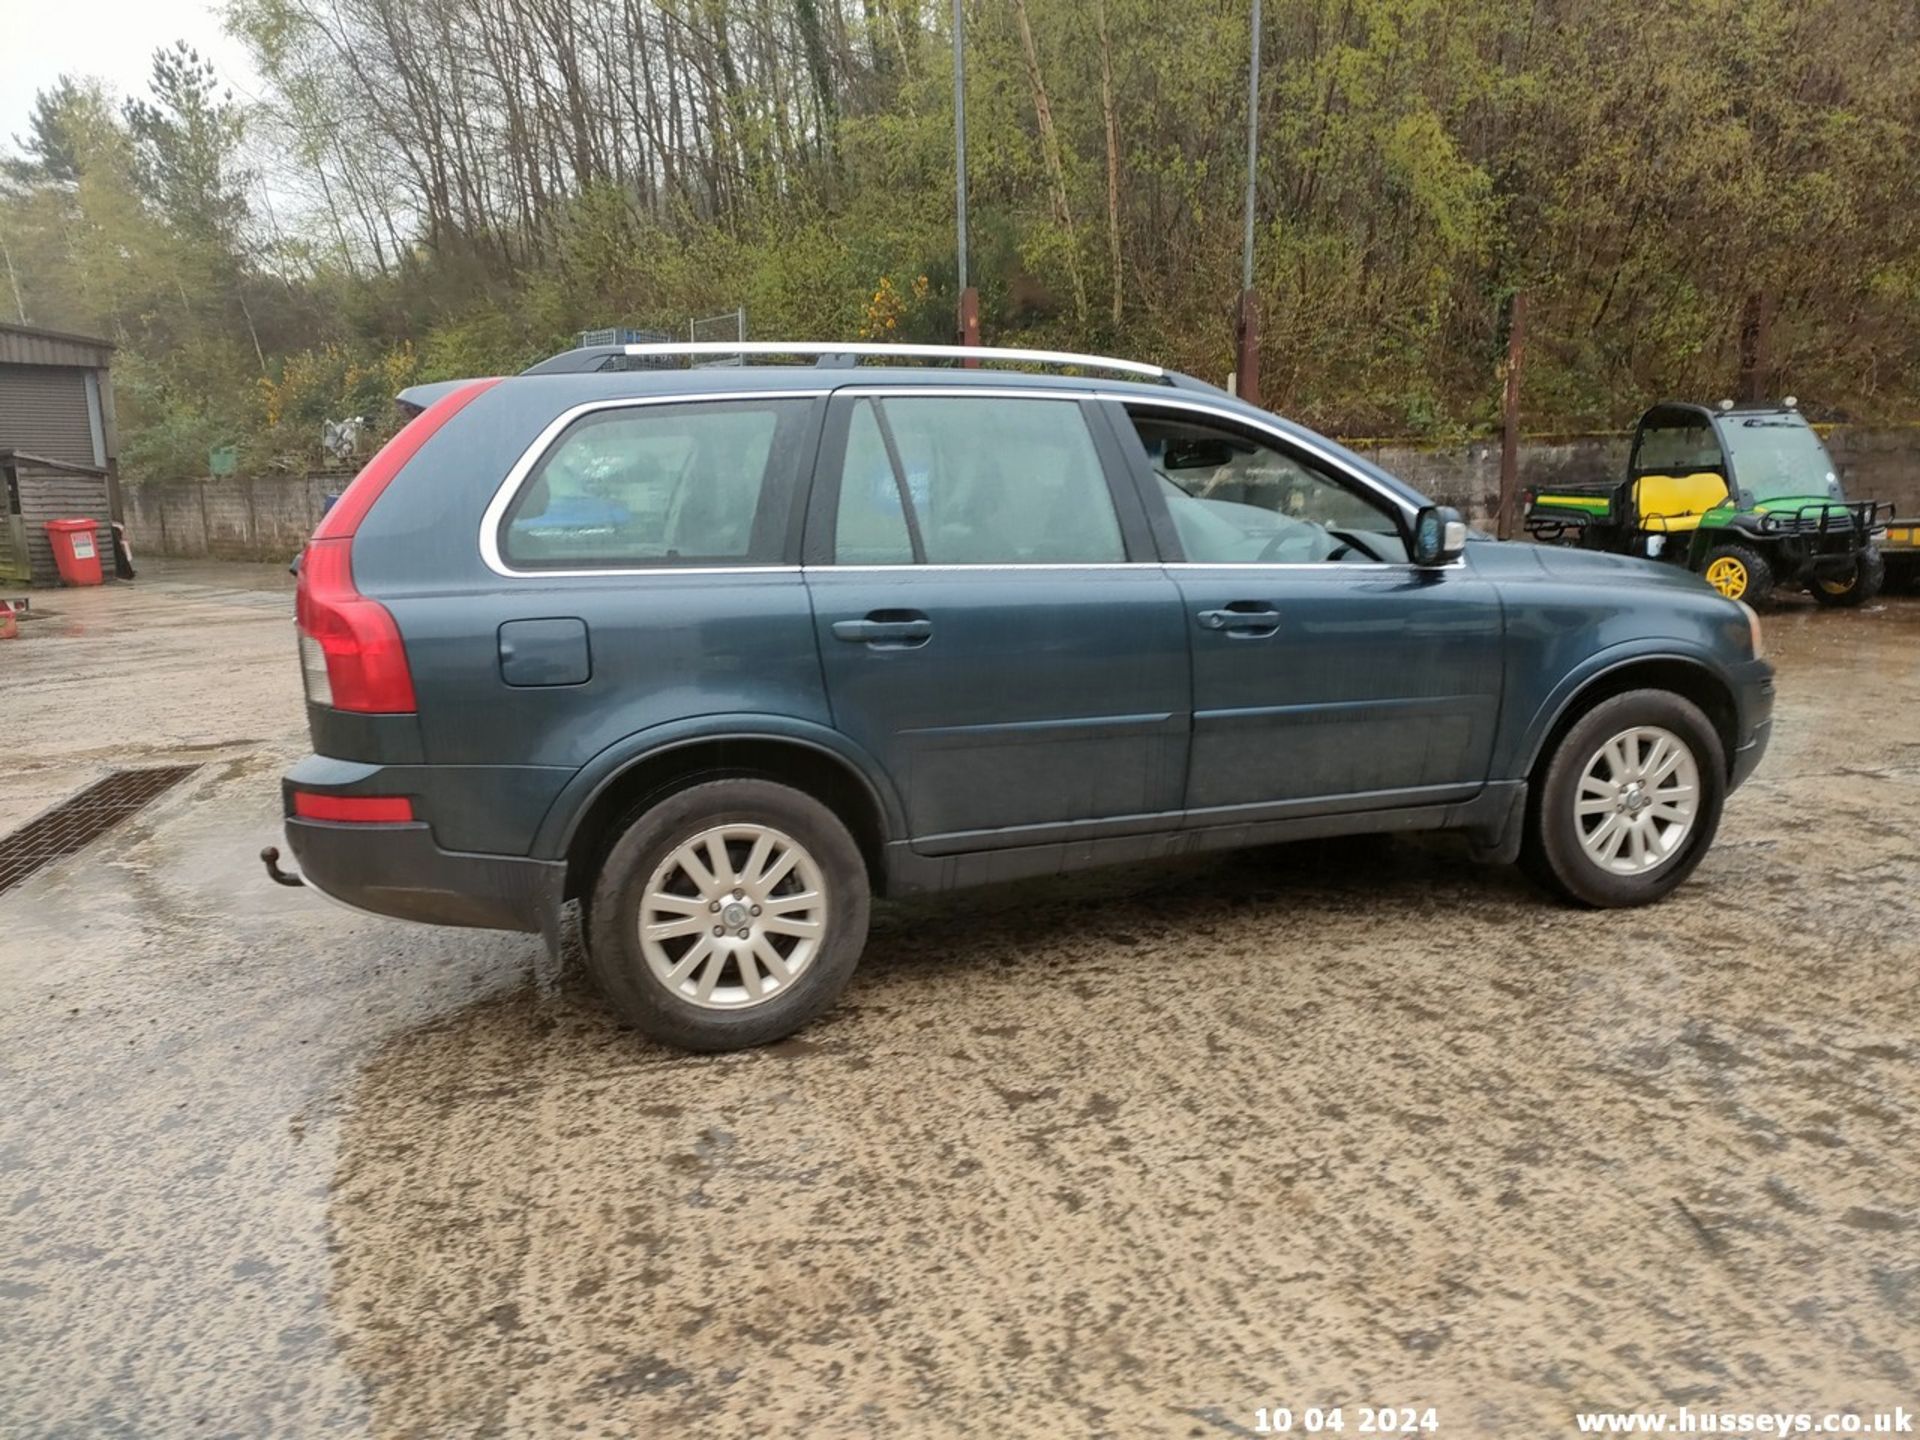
column 1353, row 1123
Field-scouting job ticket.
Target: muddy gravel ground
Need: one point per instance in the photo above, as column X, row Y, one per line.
column 1132, row 1155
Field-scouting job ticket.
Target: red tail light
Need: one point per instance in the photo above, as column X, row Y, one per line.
column 354, row 809
column 350, row 649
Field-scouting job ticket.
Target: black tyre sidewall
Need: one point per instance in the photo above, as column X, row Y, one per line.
column 1869, row 578
column 619, row 967
column 1554, row 854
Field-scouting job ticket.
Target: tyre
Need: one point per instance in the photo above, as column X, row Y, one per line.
column 728, row 915
column 1853, row 587
column 1739, row 572
column 1627, row 802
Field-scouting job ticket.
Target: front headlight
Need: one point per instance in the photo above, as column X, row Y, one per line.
column 1753, row 627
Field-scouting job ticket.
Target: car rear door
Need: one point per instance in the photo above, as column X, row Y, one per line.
column 994, row 625
column 1328, row 672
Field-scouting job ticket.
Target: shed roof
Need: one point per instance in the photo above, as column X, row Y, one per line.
column 24, row 345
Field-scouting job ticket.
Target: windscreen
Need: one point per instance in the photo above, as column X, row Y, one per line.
column 1778, row 455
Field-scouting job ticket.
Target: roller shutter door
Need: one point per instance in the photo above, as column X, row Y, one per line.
column 43, row 411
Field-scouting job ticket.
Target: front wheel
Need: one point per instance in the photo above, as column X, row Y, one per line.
column 1628, row 802
column 1739, row 572
column 728, row 915
column 1854, row 586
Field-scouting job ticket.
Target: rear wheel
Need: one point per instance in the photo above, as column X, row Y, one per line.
column 1628, row 801
column 1855, row 586
column 1739, row 572
column 728, row 915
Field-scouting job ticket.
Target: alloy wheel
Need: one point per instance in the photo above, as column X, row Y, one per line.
column 733, row 916
column 1638, row 797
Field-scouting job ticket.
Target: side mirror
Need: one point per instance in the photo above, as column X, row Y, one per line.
column 1439, row 535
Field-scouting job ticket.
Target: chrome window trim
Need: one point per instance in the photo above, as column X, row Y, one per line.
column 1280, row 437
column 516, row 477
column 523, row 467
column 1329, row 567
column 1230, row 417
column 997, row 565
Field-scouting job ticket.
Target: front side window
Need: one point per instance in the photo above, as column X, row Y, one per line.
column 644, row 485
column 1237, row 501
column 965, row 480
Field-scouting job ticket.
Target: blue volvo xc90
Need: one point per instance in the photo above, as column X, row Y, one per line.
column 724, row 652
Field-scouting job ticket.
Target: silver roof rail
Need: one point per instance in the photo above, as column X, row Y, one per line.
column 593, row 356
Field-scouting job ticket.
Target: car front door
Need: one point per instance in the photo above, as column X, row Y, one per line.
column 993, row 625
column 1329, row 673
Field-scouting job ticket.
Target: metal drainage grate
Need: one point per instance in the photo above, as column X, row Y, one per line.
column 74, row 824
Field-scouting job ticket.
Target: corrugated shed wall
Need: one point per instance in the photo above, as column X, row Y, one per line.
column 43, row 410
column 22, row 345
column 49, row 495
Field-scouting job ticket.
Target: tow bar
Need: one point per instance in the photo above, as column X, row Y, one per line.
column 270, row 857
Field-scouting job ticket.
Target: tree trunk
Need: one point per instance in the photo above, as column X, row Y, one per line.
column 1113, row 157
column 1050, row 152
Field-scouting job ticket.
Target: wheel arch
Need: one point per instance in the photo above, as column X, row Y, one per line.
column 581, row 828
column 1682, row 675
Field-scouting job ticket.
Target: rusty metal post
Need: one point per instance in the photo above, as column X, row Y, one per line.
column 1246, row 323
column 1510, row 427
column 1246, row 348
column 969, row 316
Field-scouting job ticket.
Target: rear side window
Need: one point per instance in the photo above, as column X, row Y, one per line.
column 959, row 480
column 696, row 484
column 1678, row 449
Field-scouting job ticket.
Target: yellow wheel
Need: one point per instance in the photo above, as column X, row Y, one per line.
column 1729, row 577
column 1857, row 586
column 1739, row 572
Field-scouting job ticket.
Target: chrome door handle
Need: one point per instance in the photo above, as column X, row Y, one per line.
column 898, row 633
column 1250, row 622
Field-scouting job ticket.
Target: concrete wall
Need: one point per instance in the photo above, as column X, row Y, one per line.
column 235, row 518
column 1879, row 464
column 1467, row 476
column 242, row 519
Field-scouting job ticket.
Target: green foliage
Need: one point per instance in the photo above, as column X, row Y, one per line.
column 462, row 192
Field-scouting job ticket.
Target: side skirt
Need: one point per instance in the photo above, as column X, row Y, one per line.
column 1492, row 819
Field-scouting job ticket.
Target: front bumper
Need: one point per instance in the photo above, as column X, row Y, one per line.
column 1747, row 758
column 1753, row 696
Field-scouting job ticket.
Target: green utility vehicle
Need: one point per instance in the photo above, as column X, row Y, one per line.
column 1747, row 497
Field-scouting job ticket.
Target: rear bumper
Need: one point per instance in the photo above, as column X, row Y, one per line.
column 397, row 870
column 404, row 870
